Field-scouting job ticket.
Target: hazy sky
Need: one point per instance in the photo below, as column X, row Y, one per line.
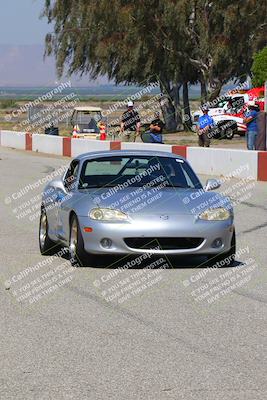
column 22, row 35
column 20, row 23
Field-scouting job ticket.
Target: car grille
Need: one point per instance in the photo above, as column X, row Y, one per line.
column 165, row 243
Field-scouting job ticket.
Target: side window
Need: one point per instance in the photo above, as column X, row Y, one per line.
column 71, row 175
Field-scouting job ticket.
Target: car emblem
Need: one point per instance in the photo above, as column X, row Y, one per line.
column 164, row 217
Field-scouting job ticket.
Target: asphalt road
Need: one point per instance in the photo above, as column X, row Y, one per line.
column 185, row 332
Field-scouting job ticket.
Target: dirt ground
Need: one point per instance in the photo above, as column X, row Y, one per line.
column 191, row 139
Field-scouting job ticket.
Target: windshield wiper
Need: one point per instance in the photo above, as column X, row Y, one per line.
column 90, row 187
column 178, row 186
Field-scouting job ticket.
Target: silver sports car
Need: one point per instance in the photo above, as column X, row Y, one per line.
column 134, row 202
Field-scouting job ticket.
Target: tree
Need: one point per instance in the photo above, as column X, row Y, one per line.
column 259, row 68
column 220, row 36
column 129, row 42
column 172, row 42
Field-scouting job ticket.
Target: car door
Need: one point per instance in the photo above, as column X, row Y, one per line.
column 65, row 199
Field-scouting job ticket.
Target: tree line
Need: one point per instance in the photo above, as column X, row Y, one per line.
column 175, row 43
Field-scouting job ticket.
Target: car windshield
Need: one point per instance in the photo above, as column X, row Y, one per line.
column 87, row 120
column 219, row 103
column 137, row 171
column 85, row 117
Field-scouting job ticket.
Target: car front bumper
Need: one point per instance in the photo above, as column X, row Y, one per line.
column 183, row 226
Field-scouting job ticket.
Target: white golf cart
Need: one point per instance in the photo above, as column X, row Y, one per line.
column 87, row 122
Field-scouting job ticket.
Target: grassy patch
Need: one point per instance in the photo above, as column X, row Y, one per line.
column 8, row 126
column 8, row 103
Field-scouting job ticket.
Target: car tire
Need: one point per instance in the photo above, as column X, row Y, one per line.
column 47, row 246
column 227, row 132
column 228, row 257
column 78, row 256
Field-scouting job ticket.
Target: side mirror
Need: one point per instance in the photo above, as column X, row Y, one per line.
column 212, row 184
column 58, row 184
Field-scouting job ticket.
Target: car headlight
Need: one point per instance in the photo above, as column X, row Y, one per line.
column 107, row 214
column 215, row 214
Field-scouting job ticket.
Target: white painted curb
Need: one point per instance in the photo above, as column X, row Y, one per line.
column 224, row 162
column 13, row 139
column 47, row 144
column 80, row 146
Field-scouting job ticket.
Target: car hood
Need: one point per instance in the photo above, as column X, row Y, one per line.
column 136, row 201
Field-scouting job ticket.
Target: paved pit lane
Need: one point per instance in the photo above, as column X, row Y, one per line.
column 178, row 330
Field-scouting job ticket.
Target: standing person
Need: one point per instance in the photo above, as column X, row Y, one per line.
column 130, row 123
column 155, row 129
column 205, row 123
column 252, row 127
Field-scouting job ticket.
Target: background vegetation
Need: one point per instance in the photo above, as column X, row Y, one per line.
column 173, row 42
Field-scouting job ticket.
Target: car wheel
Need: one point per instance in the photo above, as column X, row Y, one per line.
column 46, row 245
column 228, row 258
column 78, row 256
column 229, row 133
column 227, row 129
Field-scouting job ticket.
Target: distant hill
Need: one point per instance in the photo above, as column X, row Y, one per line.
column 98, row 92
